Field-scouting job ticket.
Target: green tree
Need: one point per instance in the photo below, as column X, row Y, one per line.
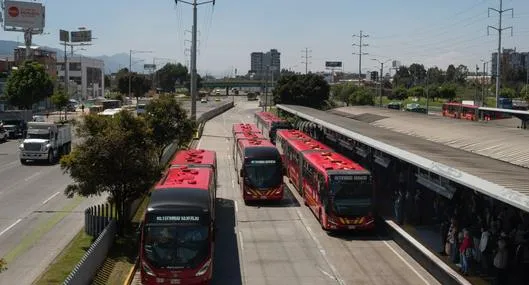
column 309, row 90
column 362, row 96
column 403, row 77
column 169, row 123
column 187, row 82
column 451, row 73
column 461, row 74
column 170, row 75
column 115, row 156
column 417, row 73
column 435, row 75
column 524, row 93
column 3, row 265
column 28, row 85
column 416, row 91
column 507, row 93
column 139, row 84
column 399, row 93
column 60, row 100
column 448, row 91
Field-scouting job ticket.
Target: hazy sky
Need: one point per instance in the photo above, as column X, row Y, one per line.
column 432, row 32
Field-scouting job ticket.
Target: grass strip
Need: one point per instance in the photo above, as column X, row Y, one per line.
column 64, row 263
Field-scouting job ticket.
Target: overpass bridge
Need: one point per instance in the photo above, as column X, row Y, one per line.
column 236, row 84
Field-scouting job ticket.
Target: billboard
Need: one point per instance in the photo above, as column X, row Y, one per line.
column 64, row 36
column 24, row 15
column 149, row 66
column 81, row 36
column 333, row 64
column 395, row 64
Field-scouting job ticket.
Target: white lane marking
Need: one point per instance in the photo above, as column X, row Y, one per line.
column 199, row 142
column 8, row 165
column 407, row 263
column 233, row 183
column 327, row 274
column 320, row 248
column 51, row 197
column 236, row 208
column 241, row 239
column 32, row 176
column 11, row 226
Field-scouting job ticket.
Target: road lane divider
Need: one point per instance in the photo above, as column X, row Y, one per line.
column 10, row 227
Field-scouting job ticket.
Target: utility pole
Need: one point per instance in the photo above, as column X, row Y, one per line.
column 194, row 55
column 477, row 85
column 360, row 45
column 381, row 75
column 306, row 59
column 498, row 59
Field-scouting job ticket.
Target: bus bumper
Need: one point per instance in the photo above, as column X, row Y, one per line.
column 151, row 280
column 263, row 195
column 367, row 225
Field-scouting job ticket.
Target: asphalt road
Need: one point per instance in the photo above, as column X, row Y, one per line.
column 284, row 243
column 36, row 220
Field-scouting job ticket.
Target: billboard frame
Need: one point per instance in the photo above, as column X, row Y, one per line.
column 36, row 25
column 82, row 36
column 333, row 64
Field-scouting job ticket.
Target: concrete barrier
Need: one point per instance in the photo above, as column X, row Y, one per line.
column 85, row 270
column 433, row 264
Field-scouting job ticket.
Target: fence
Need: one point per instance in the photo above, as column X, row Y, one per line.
column 97, row 217
column 85, row 270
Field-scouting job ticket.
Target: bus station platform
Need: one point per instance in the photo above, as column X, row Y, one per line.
column 473, row 156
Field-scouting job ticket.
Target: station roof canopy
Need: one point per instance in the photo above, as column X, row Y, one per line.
column 498, row 179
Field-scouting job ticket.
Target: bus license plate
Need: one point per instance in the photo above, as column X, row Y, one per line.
column 264, row 197
column 175, row 281
column 351, row 227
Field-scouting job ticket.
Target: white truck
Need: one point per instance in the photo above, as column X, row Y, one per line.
column 46, row 141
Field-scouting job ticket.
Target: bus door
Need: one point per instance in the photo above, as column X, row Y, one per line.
column 310, row 187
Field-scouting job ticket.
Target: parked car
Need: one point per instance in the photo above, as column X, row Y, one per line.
column 203, row 100
column 395, row 105
column 3, row 134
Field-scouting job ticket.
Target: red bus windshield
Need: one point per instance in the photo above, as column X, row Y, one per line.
column 176, row 246
column 263, row 173
column 351, row 194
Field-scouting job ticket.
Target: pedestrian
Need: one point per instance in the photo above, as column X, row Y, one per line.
column 500, row 263
column 465, row 252
column 82, row 108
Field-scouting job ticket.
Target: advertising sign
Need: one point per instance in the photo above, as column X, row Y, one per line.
column 25, row 15
column 333, row 64
column 81, row 36
column 64, row 36
column 149, row 66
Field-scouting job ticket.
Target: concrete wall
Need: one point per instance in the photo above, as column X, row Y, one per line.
column 85, row 270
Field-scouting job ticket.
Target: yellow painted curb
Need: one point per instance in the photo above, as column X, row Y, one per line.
column 131, row 274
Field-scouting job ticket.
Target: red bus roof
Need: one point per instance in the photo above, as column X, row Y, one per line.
column 185, row 178
column 292, row 134
column 255, row 143
column 244, row 127
column 267, row 116
column 309, row 144
column 248, row 136
column 325, row 161
column 461, row 104
column 194, row 156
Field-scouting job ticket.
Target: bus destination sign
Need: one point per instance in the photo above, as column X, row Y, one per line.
column 177, row 219
column 350, row 177
column 263, row 161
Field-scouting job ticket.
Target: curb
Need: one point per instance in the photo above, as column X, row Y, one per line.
column 131, row 274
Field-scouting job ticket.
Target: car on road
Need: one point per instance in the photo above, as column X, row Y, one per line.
column 3, row 134
column 203, row 100
column 217, row 99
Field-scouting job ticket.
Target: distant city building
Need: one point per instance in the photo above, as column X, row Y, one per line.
column 263, row 64
column 512, row 58
column 45, row 57
column 86, row 75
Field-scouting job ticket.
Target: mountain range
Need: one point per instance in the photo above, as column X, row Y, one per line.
column 112, row 62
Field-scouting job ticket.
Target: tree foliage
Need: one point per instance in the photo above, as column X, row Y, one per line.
column 400, row 93
column 169, row 123
column 507, row 93
column 60, row 99
column 115, row 156
column 187, row 83
column 524, row 93
column 3, row 265
column 309, row 90
column 362, row 96
column 448, row 91
column 171, row 75
column 28, row 85
column 139, row 84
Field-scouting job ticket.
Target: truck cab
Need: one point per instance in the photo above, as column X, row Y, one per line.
column 45, row 141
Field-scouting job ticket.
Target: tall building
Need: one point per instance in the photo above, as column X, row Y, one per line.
column 86, row 76
column 263, row 64
column 512, row 59
column 45, row 57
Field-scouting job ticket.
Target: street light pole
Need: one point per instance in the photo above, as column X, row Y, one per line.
column 380, row 76
column 194, row 56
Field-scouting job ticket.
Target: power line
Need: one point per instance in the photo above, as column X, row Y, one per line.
column 306, row 58
column 360, row 45
column 498, row 58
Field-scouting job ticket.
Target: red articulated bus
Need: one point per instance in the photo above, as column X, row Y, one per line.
column 178, row 231
column 269, row 123
column 259, row 170
column 461, row 111
column 337, row 190
column 196, row 158
column 292, row 148
column 245, row 128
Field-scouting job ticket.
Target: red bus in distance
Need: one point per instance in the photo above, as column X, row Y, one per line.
column 269, row 123
column 245, row 136
column 292, row 150
column 338, row 191
column 245, row 128
column 259, row 170
column 177, row 237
